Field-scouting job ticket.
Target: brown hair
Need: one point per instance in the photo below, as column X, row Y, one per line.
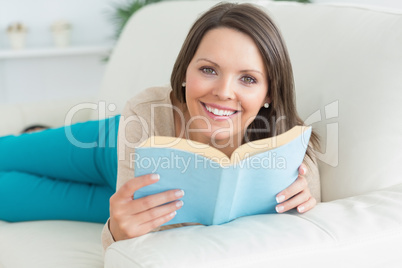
column 281, row 115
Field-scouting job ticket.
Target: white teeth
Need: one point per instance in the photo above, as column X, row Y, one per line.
column 216, row 111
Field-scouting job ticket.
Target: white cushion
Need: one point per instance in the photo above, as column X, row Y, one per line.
column 364, row 231
column 50, row 244
column 348, row 65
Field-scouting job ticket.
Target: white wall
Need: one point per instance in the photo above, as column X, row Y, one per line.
column 67, row 76
column 88, row 17
column 52, row 77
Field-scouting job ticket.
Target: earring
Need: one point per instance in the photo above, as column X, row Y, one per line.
column 266, row 105
column 183, row 84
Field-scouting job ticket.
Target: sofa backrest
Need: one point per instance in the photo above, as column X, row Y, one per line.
column 348, row 71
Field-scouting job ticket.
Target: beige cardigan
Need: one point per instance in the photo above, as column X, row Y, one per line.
column 150, row 114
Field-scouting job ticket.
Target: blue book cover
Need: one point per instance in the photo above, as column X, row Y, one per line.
column 217, row 188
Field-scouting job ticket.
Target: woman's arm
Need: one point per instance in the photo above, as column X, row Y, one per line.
column 131, row 218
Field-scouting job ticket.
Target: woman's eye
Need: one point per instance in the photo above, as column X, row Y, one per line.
column 208, row 70
column 248, row 80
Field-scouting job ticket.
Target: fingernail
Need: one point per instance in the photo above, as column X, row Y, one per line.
column 179, row 193
column 280, row 199
column 173, row 214
column 300, row 209
column 155, row 177
column 179, row 203
column 279, row 208
column 304, row 170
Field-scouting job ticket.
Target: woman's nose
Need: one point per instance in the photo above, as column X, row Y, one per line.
column 224, row 89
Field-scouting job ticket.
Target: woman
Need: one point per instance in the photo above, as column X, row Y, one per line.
column 232, row 83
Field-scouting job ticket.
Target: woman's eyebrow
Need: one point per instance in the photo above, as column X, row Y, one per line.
column 252, row 70
column 210, row 61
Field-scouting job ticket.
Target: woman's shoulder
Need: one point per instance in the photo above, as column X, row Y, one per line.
column 152, row 108
column 150, row 95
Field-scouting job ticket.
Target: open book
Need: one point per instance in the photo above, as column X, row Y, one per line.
column 219, row 189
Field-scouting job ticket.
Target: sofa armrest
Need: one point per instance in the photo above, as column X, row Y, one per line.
column 351, row 232
column 15, row 117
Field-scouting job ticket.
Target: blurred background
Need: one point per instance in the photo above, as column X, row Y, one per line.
column 52, row 49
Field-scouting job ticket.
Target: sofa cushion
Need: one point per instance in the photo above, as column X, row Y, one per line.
column 50, row 244
column 365, row 230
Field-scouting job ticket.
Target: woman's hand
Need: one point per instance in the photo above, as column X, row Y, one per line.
column 296, row 195
column 132, row 218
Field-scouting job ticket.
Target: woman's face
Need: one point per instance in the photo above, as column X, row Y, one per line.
column 226, row 85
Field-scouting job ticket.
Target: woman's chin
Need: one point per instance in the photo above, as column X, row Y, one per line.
column 224, row 139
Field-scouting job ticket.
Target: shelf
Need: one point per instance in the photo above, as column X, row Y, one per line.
column 54, row 52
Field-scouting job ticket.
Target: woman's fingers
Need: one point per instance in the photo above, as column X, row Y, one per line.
column 302, row 169
column 148, row 202
column 127, row 190
column 158, row 212
column 126, row 193
column 149, row 226
column 137, row 206
column 296, row 187
column 143, row 223
column 306, row 206
column 298, row 201
column 155, row 217
column 134, row 217
column 297, row 195
column 120, row 202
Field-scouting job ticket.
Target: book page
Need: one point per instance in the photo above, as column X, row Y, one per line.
column 186, row 145
column 242, row 152
column 258, row 146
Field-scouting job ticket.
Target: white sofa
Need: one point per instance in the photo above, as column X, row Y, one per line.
column 348, row 71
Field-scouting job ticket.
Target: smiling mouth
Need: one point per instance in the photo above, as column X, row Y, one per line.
column 218, row 112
